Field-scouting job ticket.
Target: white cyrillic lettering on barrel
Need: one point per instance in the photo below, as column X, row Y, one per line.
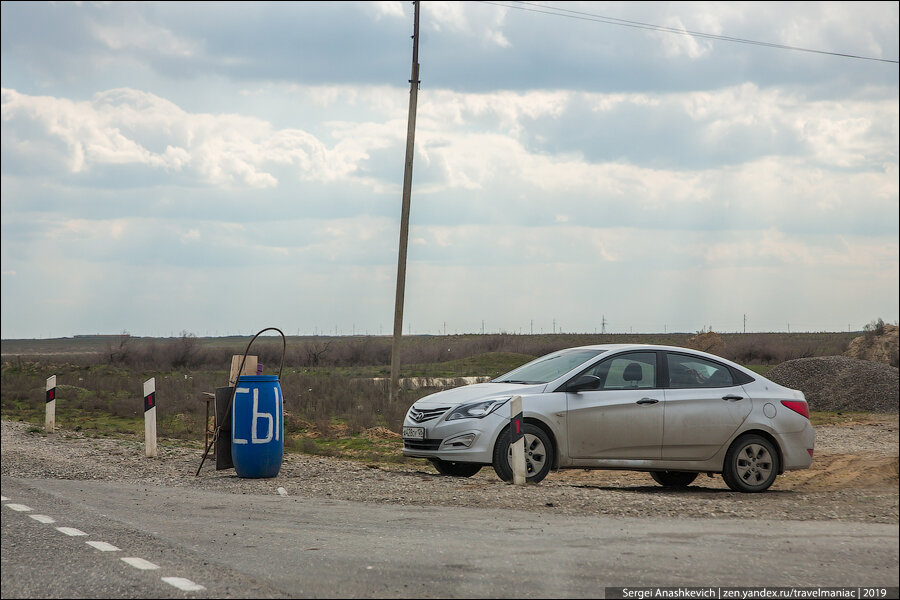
column 255, row 439
column 278, row 410
column 235, row 439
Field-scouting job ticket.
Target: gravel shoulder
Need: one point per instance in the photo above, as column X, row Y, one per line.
column 854, row 477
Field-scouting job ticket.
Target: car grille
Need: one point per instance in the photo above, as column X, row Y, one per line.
column 426, row 414
column 422, row 444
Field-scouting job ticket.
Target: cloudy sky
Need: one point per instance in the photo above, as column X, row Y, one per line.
column 219, row 168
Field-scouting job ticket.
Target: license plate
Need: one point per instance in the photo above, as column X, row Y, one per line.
column 414, row 433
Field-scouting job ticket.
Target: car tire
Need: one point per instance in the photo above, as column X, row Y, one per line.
column 673, row 479
column 454, row 469
column 751, row 464
column 538, row 454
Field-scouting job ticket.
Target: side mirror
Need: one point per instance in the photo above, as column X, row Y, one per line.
column 584, row 382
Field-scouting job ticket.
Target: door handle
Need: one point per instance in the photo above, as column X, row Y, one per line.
column 732, row 398
column 647, row 401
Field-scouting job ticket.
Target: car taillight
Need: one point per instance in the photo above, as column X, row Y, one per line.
column 798, row 406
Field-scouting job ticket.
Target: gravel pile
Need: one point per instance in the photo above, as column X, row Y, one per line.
column 840, row 383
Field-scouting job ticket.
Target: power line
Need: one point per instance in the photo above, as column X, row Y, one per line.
column 584, row 16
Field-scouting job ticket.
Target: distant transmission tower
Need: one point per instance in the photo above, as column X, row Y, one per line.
column 603, row 325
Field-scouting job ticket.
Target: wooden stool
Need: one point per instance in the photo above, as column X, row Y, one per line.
column 209, row 430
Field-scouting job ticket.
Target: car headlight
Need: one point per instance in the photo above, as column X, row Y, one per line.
column 476, row 410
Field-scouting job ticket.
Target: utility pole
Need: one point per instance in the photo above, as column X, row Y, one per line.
column 745, row 322
column 404, row 213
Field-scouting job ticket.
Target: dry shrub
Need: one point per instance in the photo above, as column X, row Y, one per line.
column 752, row 349
column 295, row 423
column 879, row 343
column 381, row 433
column 707, row 341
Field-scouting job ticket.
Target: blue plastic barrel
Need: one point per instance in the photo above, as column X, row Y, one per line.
column 257, row 430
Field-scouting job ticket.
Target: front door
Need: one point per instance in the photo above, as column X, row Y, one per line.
column 623, row 417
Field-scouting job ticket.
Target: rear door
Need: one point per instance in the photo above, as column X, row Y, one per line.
column 623, row 417
column 703, row 407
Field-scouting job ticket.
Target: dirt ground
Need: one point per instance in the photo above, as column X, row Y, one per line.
column 854, row 476
column 857, row 454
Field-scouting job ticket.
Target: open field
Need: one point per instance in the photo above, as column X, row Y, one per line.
column 335, row 388
column 375, row 351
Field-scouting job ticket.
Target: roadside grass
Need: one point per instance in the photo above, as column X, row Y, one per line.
column 824, row 417
column 360, row 447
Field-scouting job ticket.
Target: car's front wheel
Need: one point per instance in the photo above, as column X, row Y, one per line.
column 751, row 464
column 538, row 454
column 673, row 479
column 454, row 469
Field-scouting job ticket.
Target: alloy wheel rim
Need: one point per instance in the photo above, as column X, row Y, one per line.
column 535, row 455
column 754, row 464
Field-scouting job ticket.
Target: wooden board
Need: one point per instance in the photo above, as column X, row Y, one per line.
column 249, row 367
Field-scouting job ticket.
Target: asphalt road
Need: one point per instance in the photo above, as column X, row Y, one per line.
column 284, row 546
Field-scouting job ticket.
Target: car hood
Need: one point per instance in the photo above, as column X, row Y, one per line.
column 476, row 391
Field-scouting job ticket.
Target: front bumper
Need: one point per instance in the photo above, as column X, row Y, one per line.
column 462, row 440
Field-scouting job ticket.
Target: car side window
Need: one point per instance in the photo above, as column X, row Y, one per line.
column 629, row 371
column 692, row 372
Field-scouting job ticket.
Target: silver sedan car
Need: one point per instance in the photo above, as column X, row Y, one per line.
column 672, row 412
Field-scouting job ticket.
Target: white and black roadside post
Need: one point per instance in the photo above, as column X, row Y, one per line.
column 150, row 417
column 50, row 405
column 517, row 441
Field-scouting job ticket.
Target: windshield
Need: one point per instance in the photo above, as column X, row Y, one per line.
column 550, row 367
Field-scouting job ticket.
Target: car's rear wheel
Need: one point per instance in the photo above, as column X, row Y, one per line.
column 673, row 479
column 751, row 464
column 454, row 469
column 538, row 454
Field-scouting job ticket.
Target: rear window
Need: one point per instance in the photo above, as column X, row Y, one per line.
column 692, row 372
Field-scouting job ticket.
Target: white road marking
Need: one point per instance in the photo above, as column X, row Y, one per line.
column 43, row 518
column 103, row 546
column 183, row 584
column 140, row 563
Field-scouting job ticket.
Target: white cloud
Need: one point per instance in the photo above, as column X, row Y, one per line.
column 145, row 36
column 677, row 44
column 775, row 247
column 121, row 126
column 455, row 18
column 388, row 9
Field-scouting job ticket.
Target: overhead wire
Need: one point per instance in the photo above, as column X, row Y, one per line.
column 585, row 16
